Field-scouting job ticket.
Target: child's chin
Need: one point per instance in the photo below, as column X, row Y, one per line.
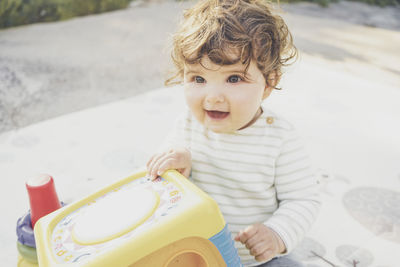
column 219, row 130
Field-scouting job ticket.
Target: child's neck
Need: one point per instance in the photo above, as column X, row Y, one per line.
column 258, row 114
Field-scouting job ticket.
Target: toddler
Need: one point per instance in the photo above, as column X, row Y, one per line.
column 228, row 56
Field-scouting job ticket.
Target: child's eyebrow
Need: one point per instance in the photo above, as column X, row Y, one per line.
column 191, row 72
column 224, row 72
column 245, row 73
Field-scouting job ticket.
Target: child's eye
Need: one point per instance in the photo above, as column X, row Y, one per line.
column 235, row 79
column 199, row 79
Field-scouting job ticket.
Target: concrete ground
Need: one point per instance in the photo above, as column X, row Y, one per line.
column 342, row 95
column 51, row 69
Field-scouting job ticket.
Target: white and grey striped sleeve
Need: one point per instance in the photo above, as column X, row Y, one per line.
column 297, row 192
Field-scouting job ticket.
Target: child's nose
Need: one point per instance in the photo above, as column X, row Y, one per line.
column 215, row 97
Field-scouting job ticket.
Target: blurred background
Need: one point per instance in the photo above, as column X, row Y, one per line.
column 73, row 56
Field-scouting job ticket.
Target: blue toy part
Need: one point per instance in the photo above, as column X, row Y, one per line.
column 226, row 247
column 25, row 232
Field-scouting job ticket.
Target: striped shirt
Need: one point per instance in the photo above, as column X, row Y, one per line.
column 257, row 174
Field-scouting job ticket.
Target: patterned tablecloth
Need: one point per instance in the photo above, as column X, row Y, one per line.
column 351, row 132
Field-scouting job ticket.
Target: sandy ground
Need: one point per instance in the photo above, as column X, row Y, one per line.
column 51, row 69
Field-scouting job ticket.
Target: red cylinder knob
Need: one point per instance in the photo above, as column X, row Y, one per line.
column 43, row 197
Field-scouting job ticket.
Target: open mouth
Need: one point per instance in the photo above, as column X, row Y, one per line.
column 218, row 115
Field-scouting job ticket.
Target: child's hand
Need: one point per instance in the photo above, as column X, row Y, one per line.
column 175, row 158
column 262, row 242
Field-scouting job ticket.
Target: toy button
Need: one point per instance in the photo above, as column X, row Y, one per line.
column 110, row 217
column 270, row 120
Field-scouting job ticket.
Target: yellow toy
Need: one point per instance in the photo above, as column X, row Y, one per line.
column 136, row 222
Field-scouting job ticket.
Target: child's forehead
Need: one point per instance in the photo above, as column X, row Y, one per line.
column 206, row 64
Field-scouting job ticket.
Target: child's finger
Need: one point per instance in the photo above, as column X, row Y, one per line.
column 253, row 241
column 148, row 163
column 166, row 164
column 152, row 166
column 151, row 160
column 237, row 237
column 247, row 233
column 258, row 249
column 155, row 156
column 252, row 229
column 185, row 171
column 155, row 169
column 265, row 256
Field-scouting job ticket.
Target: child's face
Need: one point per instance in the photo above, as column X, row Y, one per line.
column 221, row 97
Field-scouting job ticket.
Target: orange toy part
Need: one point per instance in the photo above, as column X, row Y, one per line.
column 202, row 253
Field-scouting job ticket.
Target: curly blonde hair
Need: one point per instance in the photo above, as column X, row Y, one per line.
column 217, row 28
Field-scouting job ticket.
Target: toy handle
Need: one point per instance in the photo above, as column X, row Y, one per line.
column 226, row 247
column 43, row 197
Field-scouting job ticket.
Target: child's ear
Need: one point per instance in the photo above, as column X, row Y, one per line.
column 271, row 82
column 267, row 91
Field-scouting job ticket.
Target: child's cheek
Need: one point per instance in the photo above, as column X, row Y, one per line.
column 193, row 103
column 193, row 96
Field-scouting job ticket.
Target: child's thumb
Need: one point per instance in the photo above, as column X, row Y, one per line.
column 237, row 237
